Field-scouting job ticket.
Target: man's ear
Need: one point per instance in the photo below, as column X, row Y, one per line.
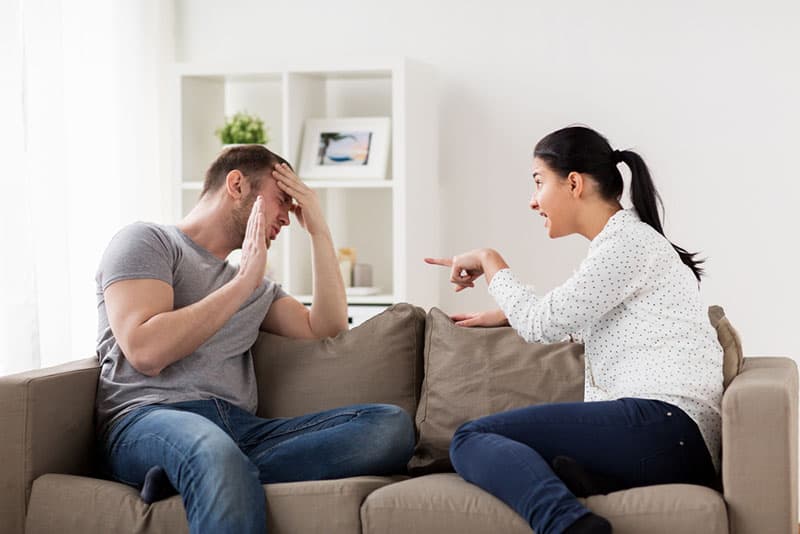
column 576, row 182
column 235, row 184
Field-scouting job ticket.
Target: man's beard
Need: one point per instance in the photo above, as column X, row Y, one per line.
column 239, row 217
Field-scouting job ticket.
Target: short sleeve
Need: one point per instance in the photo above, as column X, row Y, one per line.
column 138, row 251
column 276, row 289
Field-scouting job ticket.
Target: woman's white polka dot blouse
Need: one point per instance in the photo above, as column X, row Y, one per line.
column 637, row 308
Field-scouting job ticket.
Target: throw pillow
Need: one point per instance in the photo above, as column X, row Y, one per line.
column 473, row 372
column 379, row 361
column 732, row 355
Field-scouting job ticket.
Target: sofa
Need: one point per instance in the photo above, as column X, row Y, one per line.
column 442, row 375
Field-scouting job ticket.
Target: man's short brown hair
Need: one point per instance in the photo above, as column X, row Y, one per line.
column 253, row 161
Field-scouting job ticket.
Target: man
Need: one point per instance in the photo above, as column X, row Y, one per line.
column 177, row 392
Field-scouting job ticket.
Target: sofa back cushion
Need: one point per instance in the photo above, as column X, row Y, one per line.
column 378, row 361
column 472, row 372
column 732, row 356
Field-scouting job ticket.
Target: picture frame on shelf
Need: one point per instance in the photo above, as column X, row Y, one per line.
column 343, row 148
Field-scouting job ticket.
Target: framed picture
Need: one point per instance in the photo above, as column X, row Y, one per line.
column 356, row 147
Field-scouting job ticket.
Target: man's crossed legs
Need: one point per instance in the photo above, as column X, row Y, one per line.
column 217, row 455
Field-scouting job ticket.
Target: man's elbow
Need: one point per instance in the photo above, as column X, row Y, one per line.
column 329, row 330
column 144, row 363
column 344, row 327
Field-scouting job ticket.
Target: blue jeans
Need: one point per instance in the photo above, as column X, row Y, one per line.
column 638, row 442
column 217, row 455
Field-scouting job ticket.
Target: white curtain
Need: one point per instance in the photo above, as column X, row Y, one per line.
column 83, row 140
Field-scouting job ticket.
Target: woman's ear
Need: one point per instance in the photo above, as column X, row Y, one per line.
column 235, row 184
column 576, row 183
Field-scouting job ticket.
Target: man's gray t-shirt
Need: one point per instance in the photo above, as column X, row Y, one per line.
column 222, row 367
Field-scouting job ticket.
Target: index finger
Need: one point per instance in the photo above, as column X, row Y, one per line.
column 446, row 262
column 281, row 170
column 251, row 221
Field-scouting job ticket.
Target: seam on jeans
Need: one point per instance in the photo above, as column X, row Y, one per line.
column 354, row 414
column 223, row 412
column 135, row 418
column 162, row 440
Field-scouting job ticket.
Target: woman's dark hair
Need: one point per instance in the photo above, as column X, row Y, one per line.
column 253, row 161
column 581, row 149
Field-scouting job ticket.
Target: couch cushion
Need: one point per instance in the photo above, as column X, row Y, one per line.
column 728, row 337
column 378, row 361
column 472, row 372
column 443, row 503
column 437, row 504
column 665, row 509
column 71, row 504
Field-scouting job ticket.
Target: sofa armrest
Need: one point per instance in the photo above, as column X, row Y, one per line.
column 759, row 447
column 46, row 426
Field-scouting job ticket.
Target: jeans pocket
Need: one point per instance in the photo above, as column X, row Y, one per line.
column 647, row 412
column 667, row 466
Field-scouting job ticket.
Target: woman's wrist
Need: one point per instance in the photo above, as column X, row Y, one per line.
column 492, row 261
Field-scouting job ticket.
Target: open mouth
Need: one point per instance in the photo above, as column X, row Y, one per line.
column 546, row 219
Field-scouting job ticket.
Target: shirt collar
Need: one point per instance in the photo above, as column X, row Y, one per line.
column 615, row 223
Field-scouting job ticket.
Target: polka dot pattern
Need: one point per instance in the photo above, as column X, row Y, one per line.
column 637, row 308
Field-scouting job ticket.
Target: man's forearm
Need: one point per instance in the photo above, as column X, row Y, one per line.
column 328, row 314
column 171, row 336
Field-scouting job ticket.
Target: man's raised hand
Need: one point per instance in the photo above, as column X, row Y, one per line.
column 253, row 263
column 307, row 208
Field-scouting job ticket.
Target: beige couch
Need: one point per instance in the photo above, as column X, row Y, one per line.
column 439, row 373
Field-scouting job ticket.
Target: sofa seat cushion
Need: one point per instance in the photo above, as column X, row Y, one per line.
column 446, row 503
column 72, row 504
column 665, row 509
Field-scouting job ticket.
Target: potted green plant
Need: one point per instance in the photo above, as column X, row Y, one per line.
column 243, row 129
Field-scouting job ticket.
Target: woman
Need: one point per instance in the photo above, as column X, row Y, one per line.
column 653, row 363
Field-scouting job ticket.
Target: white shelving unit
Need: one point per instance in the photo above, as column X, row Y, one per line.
column 392, row 223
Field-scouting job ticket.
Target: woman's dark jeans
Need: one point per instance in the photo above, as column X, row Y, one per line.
column 639, row 442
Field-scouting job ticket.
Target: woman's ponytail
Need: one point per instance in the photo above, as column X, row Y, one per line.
column 581, row 149
column 646, row 201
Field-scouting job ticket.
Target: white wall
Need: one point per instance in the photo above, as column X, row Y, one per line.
column 707, row 92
